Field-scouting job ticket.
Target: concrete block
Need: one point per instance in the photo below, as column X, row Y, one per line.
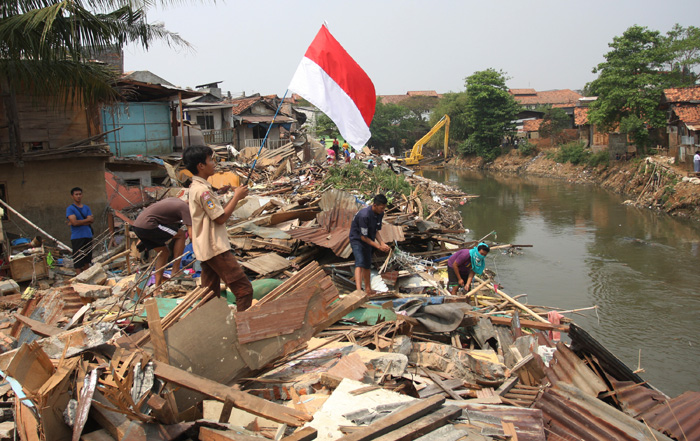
column 91, row 291
column 95, row 275
column 380, row 361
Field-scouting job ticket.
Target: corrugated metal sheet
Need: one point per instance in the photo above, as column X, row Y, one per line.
column 390, row 233
column 338, row 240
column 636, row 398
column 335, row 198
column 528, row 422
column 567, row 367
column 572, row 414
column 582, row 341
column 679, row 418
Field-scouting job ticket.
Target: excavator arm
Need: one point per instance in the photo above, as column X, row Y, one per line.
column 416, row 153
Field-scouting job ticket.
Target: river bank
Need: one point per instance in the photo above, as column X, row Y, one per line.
column 652, row 182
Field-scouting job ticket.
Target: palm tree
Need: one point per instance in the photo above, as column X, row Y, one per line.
column 46, row 45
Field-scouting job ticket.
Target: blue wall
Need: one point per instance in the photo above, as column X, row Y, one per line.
column 146, row 129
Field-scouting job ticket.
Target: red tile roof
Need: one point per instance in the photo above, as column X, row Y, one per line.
column 563, row 96
column 523, row 91
column 681, row 95
column 396, row 99
column 422, row 93
column 393, row 99
column 689, row 114
column 240, row 105
column 581, row 116
column 532, row 125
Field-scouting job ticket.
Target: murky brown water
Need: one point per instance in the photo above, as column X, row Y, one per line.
column 641, row 268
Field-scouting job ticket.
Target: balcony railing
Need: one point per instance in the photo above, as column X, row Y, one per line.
column 269, row 144
column 223, row 136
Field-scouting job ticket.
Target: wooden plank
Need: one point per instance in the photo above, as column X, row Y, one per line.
column 274, row 318
column 423, row 425
column 209, row 434
column 506, row 321
column 268, row 263
column 38, row 327
column 396, row 419
column 441, row 384
column 98, row 435
column 305, row 434
column 212, row 389
column 160, row 347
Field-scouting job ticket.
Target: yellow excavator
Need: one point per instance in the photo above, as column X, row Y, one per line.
column 416, row 154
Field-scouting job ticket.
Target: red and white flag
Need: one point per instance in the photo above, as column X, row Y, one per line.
column 331, row 80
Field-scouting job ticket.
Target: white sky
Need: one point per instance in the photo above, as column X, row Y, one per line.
column 255, row 46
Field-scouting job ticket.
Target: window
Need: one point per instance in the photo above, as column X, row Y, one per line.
column 259, row 131
column 205, row 122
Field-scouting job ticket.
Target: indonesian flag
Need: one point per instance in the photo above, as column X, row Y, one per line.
column 331, row 80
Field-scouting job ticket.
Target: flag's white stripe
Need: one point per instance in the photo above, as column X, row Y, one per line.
column 314, row 84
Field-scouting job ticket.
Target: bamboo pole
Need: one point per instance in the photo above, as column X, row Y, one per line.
column 515, row 302
column 60, row 244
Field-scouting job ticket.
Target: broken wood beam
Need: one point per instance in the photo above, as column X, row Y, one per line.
column 38, row 327
column 515, row 302
column 305, row 434
column 396, row 420
column 423, row 425
column 242, row 400
column 506, row 321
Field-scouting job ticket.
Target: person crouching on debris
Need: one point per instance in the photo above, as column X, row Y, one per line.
column 209, row 237
column 463, row 265
column 157, row 225
column 363, row 237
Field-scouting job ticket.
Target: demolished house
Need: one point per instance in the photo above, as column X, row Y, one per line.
column 98, row 357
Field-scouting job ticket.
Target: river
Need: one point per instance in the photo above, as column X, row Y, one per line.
column 641, row 268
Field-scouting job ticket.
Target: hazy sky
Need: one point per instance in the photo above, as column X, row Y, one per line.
column 255, row 46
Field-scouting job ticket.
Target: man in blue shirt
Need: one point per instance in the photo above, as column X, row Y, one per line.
column 363, row 237
column 80, row 220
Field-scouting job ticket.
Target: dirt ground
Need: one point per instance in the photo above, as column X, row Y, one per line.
column 653, row 182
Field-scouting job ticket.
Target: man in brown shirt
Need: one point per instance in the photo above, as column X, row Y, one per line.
column 159, row 223
column 209, row 236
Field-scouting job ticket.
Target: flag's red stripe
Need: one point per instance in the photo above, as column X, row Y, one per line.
column 339, row 65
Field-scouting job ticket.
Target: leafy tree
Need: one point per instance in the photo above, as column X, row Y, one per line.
column 490, row 113
column 554, row 121
column 683, row 44
column 46, row 45
column 630, row 84
column 453, row 105
column 395, row 126
column 326, row 127
column 420, row 105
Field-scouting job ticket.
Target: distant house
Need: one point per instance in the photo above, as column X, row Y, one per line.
column 531, row 128
column 147, row 122
column 683, row 121
column 531, row 100
column 429, row 97
column 45, row 150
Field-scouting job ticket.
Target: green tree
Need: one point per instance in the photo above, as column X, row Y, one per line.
column 420, row 105
column 490, row 113
column 630, row 84
column 395, row 126
column 326, row 127
column 454, row 105
column 683, row 44
column 554, row 121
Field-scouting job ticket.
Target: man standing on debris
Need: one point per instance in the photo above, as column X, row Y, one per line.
column 80, row 220
column 363, row 237
column 464, row 265
column 209, row 236
column 696, row 161
column 336, row 148
column 157, row 225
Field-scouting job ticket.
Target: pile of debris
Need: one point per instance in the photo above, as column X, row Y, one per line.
column 99, row 362
column 98, row 357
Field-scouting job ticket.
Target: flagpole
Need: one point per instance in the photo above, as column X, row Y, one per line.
column 262, row 144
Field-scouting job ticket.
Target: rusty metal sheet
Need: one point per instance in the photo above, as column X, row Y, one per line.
column 679, row 417
column 567, row 367
column 335, row 198
column 528, row 422
column 390, row 233
column 636, row 398
column 570, row 413
column 338, row 240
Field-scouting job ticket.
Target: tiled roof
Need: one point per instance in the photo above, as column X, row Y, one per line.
column 240, row 105
column 523, row 91
column 681, row 95
column 688, row 114
column 532, row 125
column 393, row 99
column 563, row 96
column 422, row 93
column 581, row 116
